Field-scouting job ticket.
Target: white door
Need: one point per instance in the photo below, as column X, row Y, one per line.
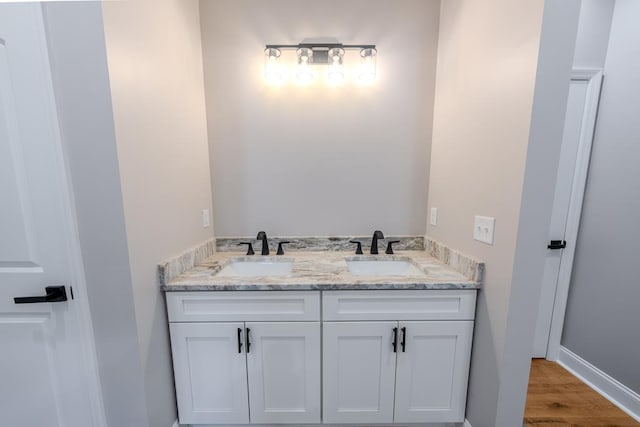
column 283, row 363
column 47, row 371
column 567, row 204
column 210, row 371
column 359, row 364
column 432, row 372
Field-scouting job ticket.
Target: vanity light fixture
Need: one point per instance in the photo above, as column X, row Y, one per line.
column 329, row 55
column 304, row 75
column 335, row 74
column 368, row 66
column 272, row 71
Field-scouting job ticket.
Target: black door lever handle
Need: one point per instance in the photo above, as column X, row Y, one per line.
column 557, row 244
column 54, row 294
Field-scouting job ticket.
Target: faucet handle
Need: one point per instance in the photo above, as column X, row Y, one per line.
column 358, row 248
column 280, row 250
column 249, row 248
column 389, row 250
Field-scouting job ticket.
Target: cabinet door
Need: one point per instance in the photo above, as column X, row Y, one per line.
column 283, row 362
column 210, row 373
column 432, row 372
column 358, row 372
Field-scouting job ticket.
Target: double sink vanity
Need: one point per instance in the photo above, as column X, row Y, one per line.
column 321, row 336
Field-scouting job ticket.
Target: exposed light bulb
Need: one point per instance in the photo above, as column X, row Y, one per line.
column 304, row 76
column 366, row 75
column 273, row 77
column 335, row 77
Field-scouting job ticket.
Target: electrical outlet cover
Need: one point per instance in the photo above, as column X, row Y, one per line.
column 205, row 218
column 433, row 220
column 483, row 229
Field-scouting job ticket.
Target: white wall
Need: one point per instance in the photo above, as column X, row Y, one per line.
column 319, row 160
column 601, row 323
column 484, row 93
column 490, row 140
column 81, row 84
column 155, row 70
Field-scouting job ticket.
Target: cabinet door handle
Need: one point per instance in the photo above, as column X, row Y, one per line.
column 248, row 342
column 239, row 340
column 394, row 340
column 403, row 343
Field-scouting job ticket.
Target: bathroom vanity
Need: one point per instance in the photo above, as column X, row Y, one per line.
column 320, row 341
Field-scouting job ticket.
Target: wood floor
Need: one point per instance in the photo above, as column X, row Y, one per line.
column 558, row 399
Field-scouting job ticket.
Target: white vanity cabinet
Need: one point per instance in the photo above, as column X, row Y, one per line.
column 359, row 371
column 260, row 366
column 396, row 356
column 283, row 366
column 210, row 373
column 257, row 357
column 432, row 371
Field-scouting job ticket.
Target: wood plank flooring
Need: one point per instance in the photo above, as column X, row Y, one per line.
column 558, row 399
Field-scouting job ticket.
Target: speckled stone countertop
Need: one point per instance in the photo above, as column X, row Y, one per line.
column 326, row 270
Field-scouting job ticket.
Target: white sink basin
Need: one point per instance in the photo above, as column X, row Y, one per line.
column 256, row 268
column 383, row 268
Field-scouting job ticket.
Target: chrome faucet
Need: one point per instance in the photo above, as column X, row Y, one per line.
column 265, row 244
column 374, row 241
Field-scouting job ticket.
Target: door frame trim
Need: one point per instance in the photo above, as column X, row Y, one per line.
column 72, row 237
column 594, row 78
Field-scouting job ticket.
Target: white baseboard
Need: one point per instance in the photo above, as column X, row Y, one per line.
column 610, row 388
column 466, row 424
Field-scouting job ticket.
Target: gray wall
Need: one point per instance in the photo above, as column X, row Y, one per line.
column 319, row 160
column 81, row 84
column 155, row 70
column 593, row 33
column 601, row 323
column 557, row 47
column 491, row 141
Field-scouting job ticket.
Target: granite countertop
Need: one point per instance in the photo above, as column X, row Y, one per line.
column 326, row 270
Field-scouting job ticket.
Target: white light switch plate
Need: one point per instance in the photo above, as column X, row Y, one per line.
column 483, row 228
column 433, row 219
column 205, row 218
